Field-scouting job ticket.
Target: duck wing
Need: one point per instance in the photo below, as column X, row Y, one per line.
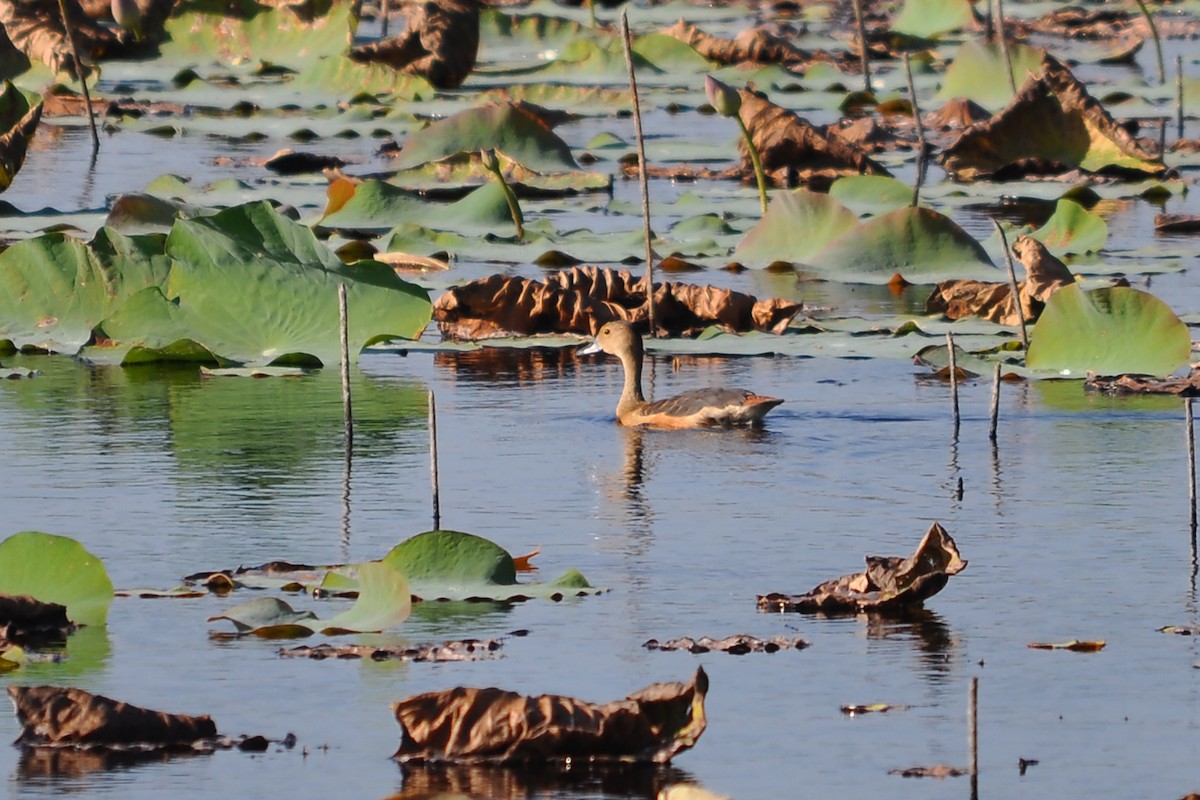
column 709, row 406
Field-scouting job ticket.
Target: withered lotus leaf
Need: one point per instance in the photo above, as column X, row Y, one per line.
column 497, row 726
column 1074, row 645
column 459, row 650
column 889, row 584
column 581, row 299
column 933, row 771
column 439, row 43
column 738, row 644
column 1052, row 126
column 54, row 715
column 1186, row 386
column 794, row 151
column 757, row 45
column 22, row 617
column 1044, row 275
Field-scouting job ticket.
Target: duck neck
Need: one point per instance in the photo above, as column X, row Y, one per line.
column 631, row 395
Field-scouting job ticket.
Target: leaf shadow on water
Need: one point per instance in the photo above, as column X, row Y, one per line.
column 503, row 783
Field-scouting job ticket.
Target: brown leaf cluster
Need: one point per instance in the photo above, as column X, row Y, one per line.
column 581, row 299
column 1053, row 106
column 738, row 644
column 461, row 650
column 439, row 43
column 53, row 715
column 1044, row 275
column 497, row 726
column 1186, row 386
column 889, row 584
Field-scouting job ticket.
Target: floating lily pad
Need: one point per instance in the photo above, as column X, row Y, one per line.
column 928, row 18
column 1072, row 229
column 1108, row 331
column 796, row 227
column 56, row 569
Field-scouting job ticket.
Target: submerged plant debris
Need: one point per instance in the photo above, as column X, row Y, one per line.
column 932, row 771
column 738, row 644
column 458, row 650
column 1074, row 645
column 890, row 584
column 652, row 725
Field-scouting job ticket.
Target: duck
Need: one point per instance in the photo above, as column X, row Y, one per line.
column 699, row 408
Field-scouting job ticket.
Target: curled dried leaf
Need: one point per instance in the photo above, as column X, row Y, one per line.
column 890, row 584
column 439, row 43
column 53, row 715
column 1186, row 386
column 497, row 726
column 23, row 618
column 1044, row 275
column 1074, row 645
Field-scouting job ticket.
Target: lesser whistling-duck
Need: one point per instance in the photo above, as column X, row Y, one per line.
column 715, row 406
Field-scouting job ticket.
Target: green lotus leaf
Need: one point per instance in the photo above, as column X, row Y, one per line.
column 453, row 557
column 340, row 76
column 254, row 287
column 384, row 601
column 54, row 289
column 1072, row 229
column 264, row 34
column 976, row 72
column 56, row 569
column 918, row 243
column 517, row 134
column 871, row 194
column 929, row 18
column 588, row 61
column 378, row 206
column 797, row 226
column 670, row 54
column 1108, row 331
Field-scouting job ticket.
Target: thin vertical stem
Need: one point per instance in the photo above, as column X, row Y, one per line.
column 860, row 21
column 995, row 415
column 756, row 160
column 1178, row 97
column 921, row 151
column 1012, row 284
column 1162, row 70
column 433, row 464
column 1002, row 37
column 385, row 13
column 953, row 378
column 973, row 734
column 1191, row 451
column 344, row 337
column 87, row 95
column 641, row 150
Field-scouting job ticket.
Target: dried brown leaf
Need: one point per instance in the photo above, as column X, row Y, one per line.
column 758, row 45
column 581, row 299
column 889, row 584
column 1177, row 223
column 53, row 715
column 1049, row 128
column 497, row 726
column 439, row 43
column 23, row 617
column 1074, row 645
column 460, row 650
column 738, row 644
column 934, row 771
column 1044, row 275
column 1186, row 386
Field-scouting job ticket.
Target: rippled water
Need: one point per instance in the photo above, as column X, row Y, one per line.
column 1075, row 526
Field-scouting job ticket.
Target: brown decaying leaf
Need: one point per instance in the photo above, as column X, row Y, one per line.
column 291, row 162
column 1074, row 645
column 1186, row 386
column 53, row 715
column 872, row 708
column 758, row 45
column 795, row 152
column 934, row 771
column 23, row 617
column 581, row 299
column 439, row 43
column 461, row 650
column 890, row 584
column 1177, row 223
column 1044, row 275
column 496, row 726
column 1057, row 101
column 738, row 644
column 14, row 142
column 959, row 112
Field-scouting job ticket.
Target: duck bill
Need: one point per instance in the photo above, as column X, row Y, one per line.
column 588, row 350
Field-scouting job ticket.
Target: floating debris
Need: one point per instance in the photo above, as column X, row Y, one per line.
column 738, row 644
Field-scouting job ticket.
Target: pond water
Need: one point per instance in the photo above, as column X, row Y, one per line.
column 1075, row 524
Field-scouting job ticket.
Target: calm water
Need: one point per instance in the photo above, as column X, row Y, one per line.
column 1075, row 526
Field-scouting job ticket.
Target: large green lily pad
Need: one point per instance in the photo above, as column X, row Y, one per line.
column 1108, row 331
column 56, row 569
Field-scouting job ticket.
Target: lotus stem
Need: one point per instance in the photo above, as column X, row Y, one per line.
column 921, row 154
column 1012, row 285
column 344, row 338
column 1003, row 39
column 1178, row 97
column 1162, row 70
column 756, row 160
column 492, row 165
column 860, row 21
column 647, row 234
column 87, row 95
column 433, row 464
column 591, row 4
column 995, row 415
column 385, row 13
column 973, row 734
column 953, row 379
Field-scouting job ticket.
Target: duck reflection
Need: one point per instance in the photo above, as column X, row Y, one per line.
column 428, row 781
